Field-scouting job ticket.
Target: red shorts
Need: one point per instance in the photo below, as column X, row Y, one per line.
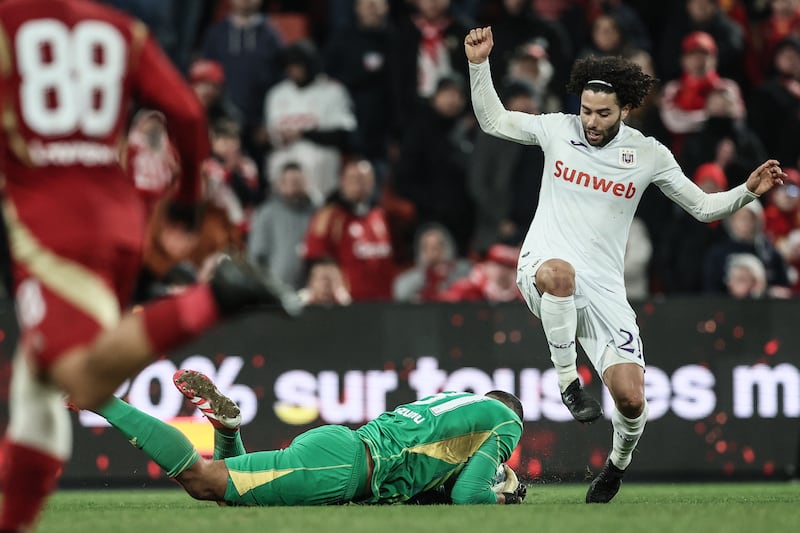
column 68, row 292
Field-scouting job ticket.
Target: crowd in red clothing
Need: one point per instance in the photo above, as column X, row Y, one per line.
column 367, row 101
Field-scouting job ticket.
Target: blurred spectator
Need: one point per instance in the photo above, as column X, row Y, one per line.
column 504, row 178
column 654, row 208
column 208, row 82
column 626, row 18
column 530, row 64
column 234, row 167
column 705, row 16
column 174, row 23
column 745, row 276
column 358, row 57
column 153, row 164
column 310, row 120
column 429, row 46
column 686, row 241
column 782, row 213
column 724, row 136
column 152, row 160
column 249, row 48
column 224, row 223
column 432, row 170
column 646, row 118
column 606, row 38
column 775, row 107
column 638, row 252
column 783, row 21
column 436, row 267
column 745, row 232
column 684, row 100
column 325, row 285
column 279, row 225
column 791, row 251
column 352, row 231
column 519, row 28
column 492, row 280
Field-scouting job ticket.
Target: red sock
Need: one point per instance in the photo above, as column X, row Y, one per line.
column 29, row 476
column 177, row 319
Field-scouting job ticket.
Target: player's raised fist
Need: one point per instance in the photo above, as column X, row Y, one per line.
column 478, row 43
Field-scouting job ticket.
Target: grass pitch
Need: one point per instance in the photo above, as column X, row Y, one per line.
column 683, row 508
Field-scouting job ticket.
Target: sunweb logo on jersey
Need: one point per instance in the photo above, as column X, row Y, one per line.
column 578, row 177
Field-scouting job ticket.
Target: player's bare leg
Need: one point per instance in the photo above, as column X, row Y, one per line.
column 205, row 480
column 555, row 280
column 625, row 381
column 90, row 375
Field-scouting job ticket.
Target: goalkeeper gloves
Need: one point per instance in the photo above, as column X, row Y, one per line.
column 511, row 488
column 518, row 496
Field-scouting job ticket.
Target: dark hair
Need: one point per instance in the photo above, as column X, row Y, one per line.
column 226, row 127
column 507, row 399
column 625, row 78
column 291, row 165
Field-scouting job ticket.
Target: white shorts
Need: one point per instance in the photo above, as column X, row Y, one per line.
column 607, row 329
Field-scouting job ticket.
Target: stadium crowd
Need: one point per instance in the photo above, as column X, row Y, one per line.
column 346, row 158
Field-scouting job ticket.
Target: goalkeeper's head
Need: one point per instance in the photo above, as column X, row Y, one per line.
column 508, row 399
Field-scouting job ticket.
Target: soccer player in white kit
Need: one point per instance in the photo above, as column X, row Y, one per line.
column 570, row 268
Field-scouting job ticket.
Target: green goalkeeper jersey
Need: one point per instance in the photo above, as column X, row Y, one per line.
column 422, row 445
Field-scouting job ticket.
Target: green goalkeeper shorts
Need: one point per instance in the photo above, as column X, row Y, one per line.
column 323, row 466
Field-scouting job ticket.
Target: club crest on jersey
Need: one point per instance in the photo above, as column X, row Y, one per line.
column 627, row 157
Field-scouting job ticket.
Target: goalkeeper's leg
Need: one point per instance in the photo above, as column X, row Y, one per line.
column 169, row 449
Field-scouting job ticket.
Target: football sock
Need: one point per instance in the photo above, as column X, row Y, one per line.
column 29, row 476
column 626, row 435
column 164, row 444
column 228, row 443
column 173, row 320
column 560, row 322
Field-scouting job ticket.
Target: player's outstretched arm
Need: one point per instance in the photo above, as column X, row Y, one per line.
column 478, row 44
column 765, row 177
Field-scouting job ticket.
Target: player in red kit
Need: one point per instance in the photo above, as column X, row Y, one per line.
column 70, row 71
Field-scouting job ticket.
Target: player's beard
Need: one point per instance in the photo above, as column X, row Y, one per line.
column 606, row 135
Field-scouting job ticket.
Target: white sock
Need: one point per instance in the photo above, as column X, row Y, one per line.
column 560, row 322
column 626, row 436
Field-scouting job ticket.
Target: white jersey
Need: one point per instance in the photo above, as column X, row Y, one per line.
column 323, row 104
column 589, row 194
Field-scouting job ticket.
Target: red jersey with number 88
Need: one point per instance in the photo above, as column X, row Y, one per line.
column 69, row 73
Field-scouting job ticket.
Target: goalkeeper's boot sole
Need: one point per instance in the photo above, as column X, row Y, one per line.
column 606, row 485
column 201, row 391
column 580, row 403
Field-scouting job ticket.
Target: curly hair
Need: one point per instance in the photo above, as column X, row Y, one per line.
column 626, row 78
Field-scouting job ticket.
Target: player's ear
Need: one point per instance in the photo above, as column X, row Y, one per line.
column 625, row 110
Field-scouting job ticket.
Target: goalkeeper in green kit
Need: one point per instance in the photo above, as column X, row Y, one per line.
column 446, row 448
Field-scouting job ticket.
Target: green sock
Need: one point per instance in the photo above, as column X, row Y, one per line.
column 227, row 444
column 164, row 444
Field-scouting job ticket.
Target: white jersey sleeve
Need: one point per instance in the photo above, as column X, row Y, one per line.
column 703, row 206
column 493, row 118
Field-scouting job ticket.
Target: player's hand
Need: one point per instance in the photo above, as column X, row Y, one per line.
column 478, row 44
column 765, row 177
column 510, row 483
column 518, row 496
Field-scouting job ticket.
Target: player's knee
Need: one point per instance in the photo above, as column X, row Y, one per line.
column 201, row 481
column 556, row 277
column 631, row 405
